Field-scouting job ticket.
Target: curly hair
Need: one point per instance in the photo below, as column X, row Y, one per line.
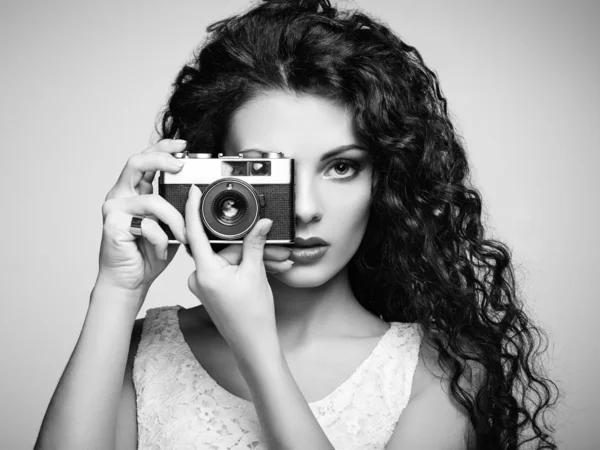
column 424, row 257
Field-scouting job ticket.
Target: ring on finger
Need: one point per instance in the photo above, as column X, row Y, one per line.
column 136, row 225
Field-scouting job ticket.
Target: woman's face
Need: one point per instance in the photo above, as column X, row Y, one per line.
column 332, row 175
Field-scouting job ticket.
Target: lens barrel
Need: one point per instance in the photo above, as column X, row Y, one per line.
column 229, row 208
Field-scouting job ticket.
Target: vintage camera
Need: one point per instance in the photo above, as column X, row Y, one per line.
column 237, row 191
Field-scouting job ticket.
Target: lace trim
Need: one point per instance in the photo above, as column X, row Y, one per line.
column 358, row 372
column 181, row 406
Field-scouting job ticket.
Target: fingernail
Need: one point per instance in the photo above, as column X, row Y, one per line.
column 179, row 142
column 266, row 228
column 291, row 264
column 165, row 255
column 178, row 162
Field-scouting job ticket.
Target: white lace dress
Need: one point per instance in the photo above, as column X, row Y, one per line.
column 180, row 406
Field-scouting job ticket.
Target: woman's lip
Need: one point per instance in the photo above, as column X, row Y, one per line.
column 309, row 254
column 309, row 242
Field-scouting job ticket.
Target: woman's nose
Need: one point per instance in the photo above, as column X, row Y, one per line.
column 307, row 201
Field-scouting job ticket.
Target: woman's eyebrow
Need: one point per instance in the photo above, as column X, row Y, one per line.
column 333, row 152
column 341, row 149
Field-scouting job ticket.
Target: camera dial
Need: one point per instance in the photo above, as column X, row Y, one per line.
column 187, row 154
column 272, row 155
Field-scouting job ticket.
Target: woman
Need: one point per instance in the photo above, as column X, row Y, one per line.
column 400, row 326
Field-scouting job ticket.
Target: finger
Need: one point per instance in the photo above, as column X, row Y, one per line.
column 146, row 164
column 149, row 205
column 148, row 177
column 196, row 237
column 233, row 253
column 277, row 266
column 145, row 186
column 167, row 146
column 254, row 244
column 154, row 234
column 193, row 282
column 276, row 253
column 118, row 222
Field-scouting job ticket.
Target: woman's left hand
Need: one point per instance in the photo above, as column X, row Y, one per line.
column 238, row 298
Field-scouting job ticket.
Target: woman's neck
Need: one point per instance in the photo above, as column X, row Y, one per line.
column 320, row 312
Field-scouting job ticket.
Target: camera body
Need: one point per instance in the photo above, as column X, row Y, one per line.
column 237, row 191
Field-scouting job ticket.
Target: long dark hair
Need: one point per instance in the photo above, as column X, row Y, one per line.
column 424, row 258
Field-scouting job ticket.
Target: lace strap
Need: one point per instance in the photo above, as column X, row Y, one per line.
column 397, row 375
column 158, row 327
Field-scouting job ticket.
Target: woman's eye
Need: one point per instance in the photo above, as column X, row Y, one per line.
column 342, row 169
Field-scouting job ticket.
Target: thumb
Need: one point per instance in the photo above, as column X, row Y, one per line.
column 232, row 254
column 193, row 283
column 254, row 244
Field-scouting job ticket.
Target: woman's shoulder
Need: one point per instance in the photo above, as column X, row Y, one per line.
column 431, row 406
column 428, row 372
column 431, row 376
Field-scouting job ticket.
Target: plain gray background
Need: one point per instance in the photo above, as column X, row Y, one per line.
column 83, row 82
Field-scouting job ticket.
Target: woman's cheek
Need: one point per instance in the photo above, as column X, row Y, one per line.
column 352, row 204
column 348, row 222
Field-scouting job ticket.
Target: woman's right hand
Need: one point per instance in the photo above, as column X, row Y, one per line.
column 129, row 262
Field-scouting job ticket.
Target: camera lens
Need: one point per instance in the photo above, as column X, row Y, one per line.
column 229, row 208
